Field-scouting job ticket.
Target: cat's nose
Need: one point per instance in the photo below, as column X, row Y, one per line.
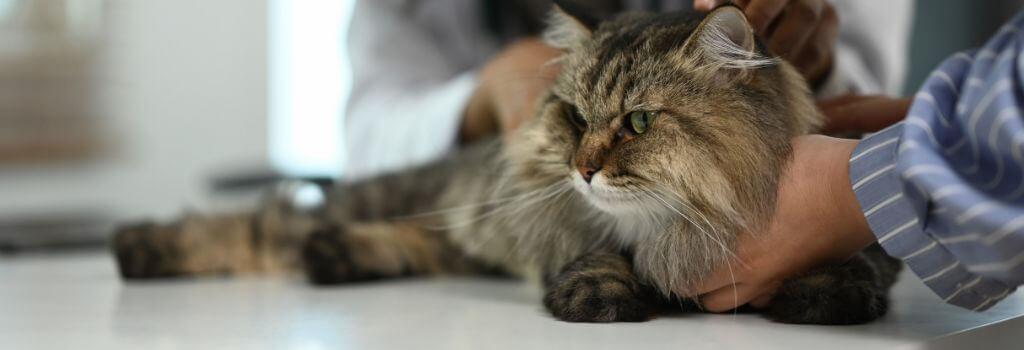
column 587, row 172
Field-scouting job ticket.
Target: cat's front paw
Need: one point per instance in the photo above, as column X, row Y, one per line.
column 592, row 299
column 828, row 297
column 599, row 288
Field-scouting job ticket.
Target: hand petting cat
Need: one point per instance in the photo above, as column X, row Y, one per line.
column 817, row 217
column 801, row 31
column 817, row 221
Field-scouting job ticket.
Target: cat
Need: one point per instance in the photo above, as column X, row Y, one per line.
column 662, row 136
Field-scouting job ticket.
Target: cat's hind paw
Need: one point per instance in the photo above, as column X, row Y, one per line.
column 328, row 258
column 141, row 253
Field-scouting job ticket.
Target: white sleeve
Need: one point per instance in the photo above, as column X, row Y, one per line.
column 871, row 52
column 407, row 97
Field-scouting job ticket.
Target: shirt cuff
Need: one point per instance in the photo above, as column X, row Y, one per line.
column 897, row 213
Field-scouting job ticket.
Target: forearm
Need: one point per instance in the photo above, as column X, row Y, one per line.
column 849, row 231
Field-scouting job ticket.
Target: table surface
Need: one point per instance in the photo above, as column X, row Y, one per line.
column 60, row 301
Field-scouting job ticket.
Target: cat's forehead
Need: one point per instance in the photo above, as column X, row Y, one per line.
column 627, row 63
column 665, row 31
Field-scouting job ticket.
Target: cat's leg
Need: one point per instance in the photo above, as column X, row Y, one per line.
column 853, row 292
column 261, row 242
column 600, row 287
column 368, row 251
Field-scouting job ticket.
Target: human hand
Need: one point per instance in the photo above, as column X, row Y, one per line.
column 855, row 113
column 509, row 88
column 802, row 32
column 817, row 220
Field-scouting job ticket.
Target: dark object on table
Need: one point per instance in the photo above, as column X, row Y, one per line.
column 57, row 231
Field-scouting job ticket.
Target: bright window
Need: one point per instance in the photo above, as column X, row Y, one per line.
column 308, row 82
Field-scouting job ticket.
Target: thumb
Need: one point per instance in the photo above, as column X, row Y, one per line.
column 707, row 5
column 736, row 295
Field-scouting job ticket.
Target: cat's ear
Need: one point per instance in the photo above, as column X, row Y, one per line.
column 725, row 41
column 569, row 25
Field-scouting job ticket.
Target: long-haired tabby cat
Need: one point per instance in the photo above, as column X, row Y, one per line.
column 663, row 136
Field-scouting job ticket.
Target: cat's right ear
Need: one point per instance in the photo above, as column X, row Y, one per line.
column 724, row 43
column 569, row 25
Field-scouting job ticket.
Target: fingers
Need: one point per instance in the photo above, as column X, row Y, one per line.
column 727, row 298
column 730, row 287
column 721, row 277
column 863, row 113
column 762, row 14
column 707, row 5
column 832, row 103
column 801, row 31
column 795, row 27
column 761, row 301
column 814, row 59
column 733, row 296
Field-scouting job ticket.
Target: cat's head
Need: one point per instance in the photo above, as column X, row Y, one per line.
column 666, row 112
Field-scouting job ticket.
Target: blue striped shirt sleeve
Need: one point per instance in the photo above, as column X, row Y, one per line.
column 944, row 189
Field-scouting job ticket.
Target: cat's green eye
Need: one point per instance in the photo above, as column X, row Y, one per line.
column 639, row 121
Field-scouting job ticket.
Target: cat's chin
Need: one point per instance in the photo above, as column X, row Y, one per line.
column 606, row 198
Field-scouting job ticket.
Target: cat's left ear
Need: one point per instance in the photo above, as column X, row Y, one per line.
column 724, row 40
column 569, row 25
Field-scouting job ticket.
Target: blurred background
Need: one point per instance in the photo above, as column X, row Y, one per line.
column 125, row 109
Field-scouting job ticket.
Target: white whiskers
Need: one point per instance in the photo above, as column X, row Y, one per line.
column 514, row 204
column 705, row 227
